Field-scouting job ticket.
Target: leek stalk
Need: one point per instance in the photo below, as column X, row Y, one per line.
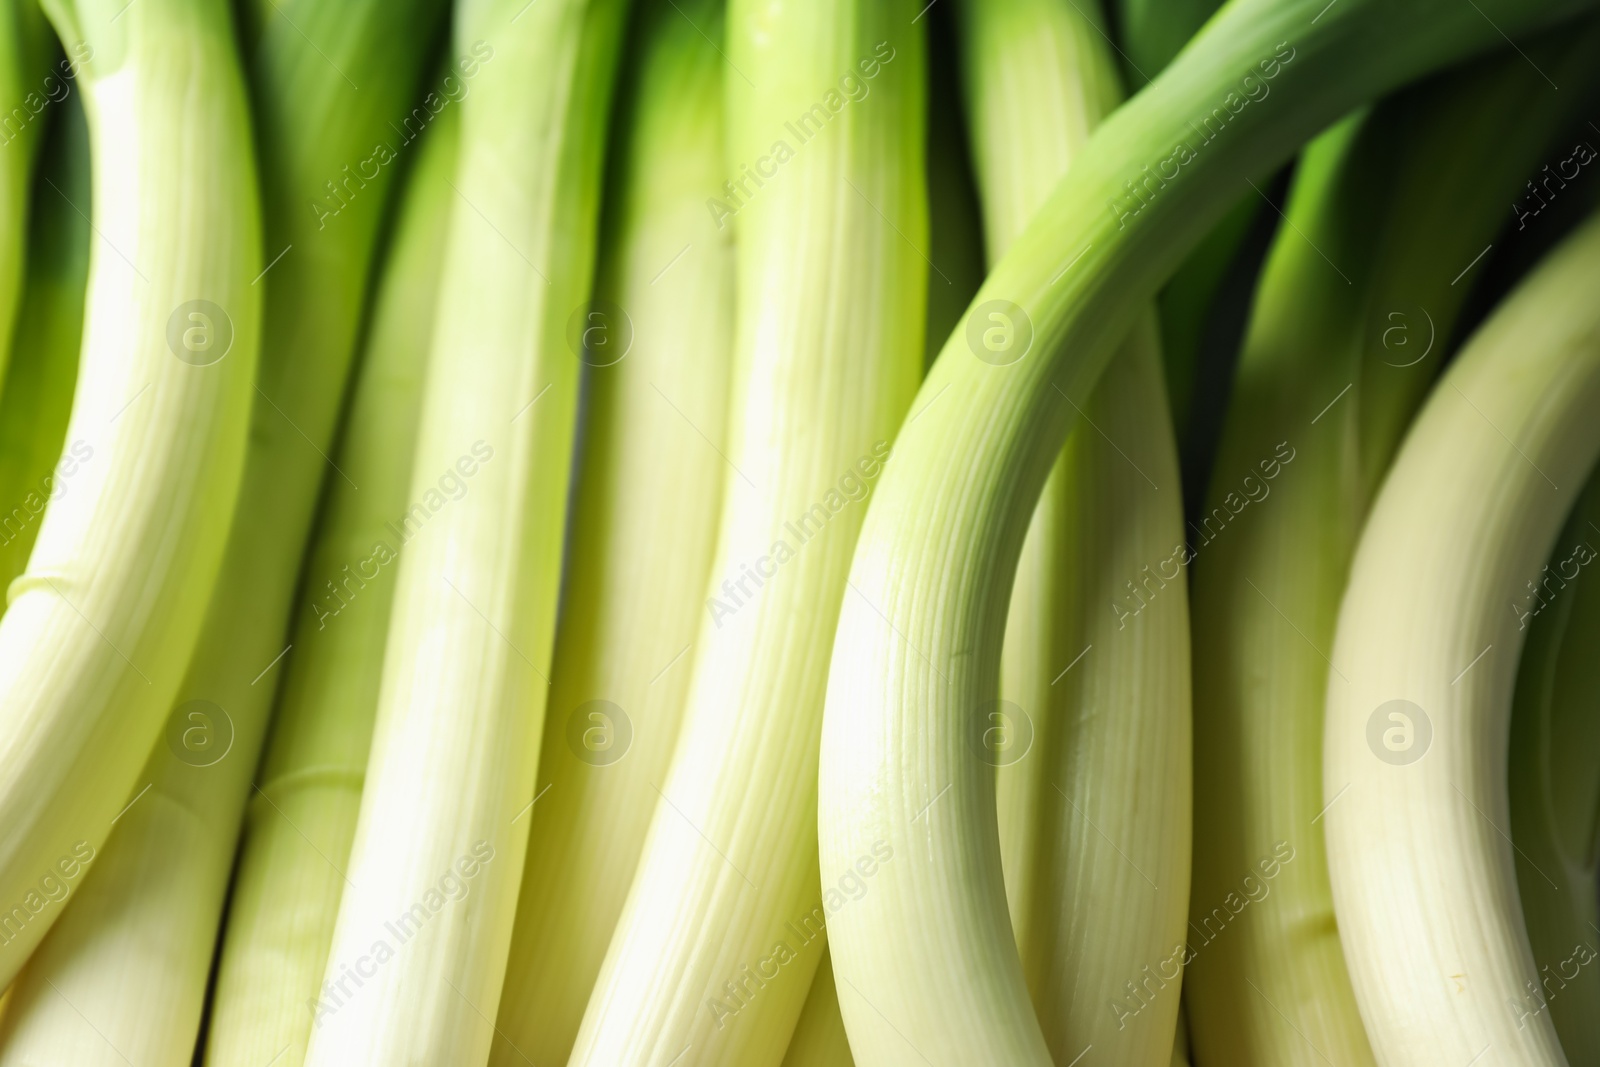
column 623, row 650
column 1424, row 661
column 101, row 625
column 135, row 953
column 721, row 934
column 1355, row 312
column 1093, row 779
column 299, row 825
column 917, row 651
column 37, row 398
column 419, row 949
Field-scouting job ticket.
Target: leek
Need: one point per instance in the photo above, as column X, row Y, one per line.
column 1354, row 314
column 102, row 623
column 1093, row 799
column 148, row 921
column 36, row 465
column 419, row 950
column 721, row 934
column 624, row 647
column 1553, row 784
column 300, row 823
column 927, row 961
column 1419, row 701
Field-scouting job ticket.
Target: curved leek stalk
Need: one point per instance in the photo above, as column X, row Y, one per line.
column 148, row 921
column 720, row 936
column 929, row 955
column 647, row 476
column 300, row 824
column 420, row 946
column 819, row 1039
column 1554, row 783
column 1353, row 316
column 37, row 399
column 1094, row 813
column 1419, row 701
column 102, row 624
column 32, row 73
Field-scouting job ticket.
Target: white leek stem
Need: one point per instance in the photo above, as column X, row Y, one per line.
column 302, row 818
column 1424, row 884
column 102, row 624
column 917, row 651
column 135, row 953
column 1093, row 781
column 624, row 651
column 419, row 949
column 831, row 291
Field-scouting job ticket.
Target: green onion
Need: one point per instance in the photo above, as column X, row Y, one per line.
column 419, row 949
column 102, row 624
column 1553, row 784
column 1419, row 701
column 1093, row 779
column 717, row 945
column 1354, row 313
column 917, row 651
column 301, row 822
column 661, row 369
column 152, row 925
column 36, row 466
